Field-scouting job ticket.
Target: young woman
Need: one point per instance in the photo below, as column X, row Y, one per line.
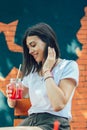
column 49, row 80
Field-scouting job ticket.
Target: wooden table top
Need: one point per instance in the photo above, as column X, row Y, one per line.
column 19, row 128
column 14, row 128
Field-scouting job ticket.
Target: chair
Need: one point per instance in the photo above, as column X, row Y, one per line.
column 21, row 110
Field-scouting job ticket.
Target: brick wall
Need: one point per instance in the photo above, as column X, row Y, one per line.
column 79, row 109
column 9, row 32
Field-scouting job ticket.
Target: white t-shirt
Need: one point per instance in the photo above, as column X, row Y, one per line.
column 37, row 88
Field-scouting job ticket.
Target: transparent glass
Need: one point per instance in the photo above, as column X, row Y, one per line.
column 16, row 87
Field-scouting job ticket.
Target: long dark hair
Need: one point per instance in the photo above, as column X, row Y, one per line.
column 47, row 35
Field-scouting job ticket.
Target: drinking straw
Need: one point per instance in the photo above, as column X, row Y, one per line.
column 18, row 71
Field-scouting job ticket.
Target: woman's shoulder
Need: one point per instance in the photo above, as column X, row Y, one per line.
column 64, row 63
column 71, row 63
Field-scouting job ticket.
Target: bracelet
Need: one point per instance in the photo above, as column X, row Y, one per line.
column 48, row 77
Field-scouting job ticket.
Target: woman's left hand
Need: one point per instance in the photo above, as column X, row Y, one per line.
column 50, row 61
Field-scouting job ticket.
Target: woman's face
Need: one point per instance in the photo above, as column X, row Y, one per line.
column 36, row 48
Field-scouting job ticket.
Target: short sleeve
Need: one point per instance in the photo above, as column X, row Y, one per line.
column 25, row 81
column 71, row 70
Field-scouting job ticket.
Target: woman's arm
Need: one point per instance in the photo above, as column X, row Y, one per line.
column 59, row 95
column 11, row 102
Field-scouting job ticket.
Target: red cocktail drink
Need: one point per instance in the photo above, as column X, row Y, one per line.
column 16, row 87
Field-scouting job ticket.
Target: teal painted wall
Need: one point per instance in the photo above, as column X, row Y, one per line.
column 63, row 15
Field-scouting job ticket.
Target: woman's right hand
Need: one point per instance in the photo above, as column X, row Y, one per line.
column 11, row 102
column 8, row 91
column 50, row 61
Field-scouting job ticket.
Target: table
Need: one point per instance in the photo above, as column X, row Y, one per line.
column 13, row 128
column 19, row 128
